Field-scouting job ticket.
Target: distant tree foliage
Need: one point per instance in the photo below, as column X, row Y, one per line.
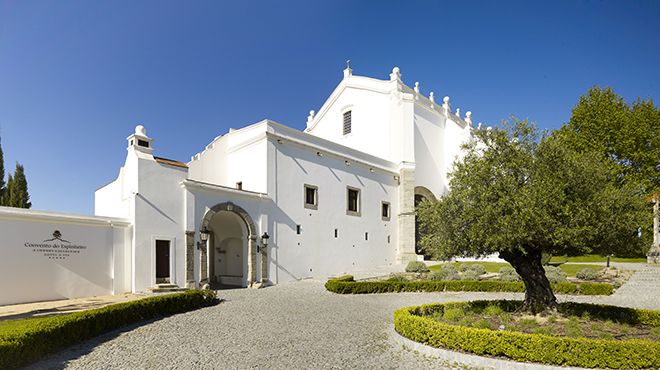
column 14, row 192
column 2, row 175
column 628, row 135
column 520, row 195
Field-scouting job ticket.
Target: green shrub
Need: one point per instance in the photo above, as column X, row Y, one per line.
column 470, row 275
column 416, row 266
column 453, row 314
column 369, row 287
column 411, row 323
column 595, row 289
column 509, row 274
column 447, row 272
column 474, row 267
column 587, row 274
column 555, row 274
column 27, row 340
column 397, row 277
column 345, row 278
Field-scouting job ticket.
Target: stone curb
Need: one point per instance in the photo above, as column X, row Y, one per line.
column 469, row 359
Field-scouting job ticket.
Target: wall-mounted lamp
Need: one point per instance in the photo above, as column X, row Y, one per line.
column 264, row 243
column 203, row 236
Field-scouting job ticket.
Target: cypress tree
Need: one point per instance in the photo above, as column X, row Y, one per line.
column 6, row 198
column 18, row 190
column 3, row 188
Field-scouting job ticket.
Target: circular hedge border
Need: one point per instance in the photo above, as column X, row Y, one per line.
column 411, row 323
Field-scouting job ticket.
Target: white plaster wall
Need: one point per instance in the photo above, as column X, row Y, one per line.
column 158, row 214
column 238, row 156
column 316, row 252
column 110, row 200
column 28, row 274
column 430, row 140
column 381, row 118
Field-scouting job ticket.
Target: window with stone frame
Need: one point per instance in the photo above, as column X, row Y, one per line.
column 385, row 211
column 352, row 201
column 311, row 196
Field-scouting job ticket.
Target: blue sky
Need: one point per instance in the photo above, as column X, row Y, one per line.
column 77, row 76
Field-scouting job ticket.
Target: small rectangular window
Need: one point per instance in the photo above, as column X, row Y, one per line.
column 239, row 185
column 311, row 196
column 385, row 211
column 352, row 201
column 298, row 229
column 347, row 122
column 336, row 233
column 143, row 143
column 388, row 239
column 366, row 236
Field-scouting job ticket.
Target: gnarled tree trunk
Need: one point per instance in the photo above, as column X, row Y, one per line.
column 538, row 293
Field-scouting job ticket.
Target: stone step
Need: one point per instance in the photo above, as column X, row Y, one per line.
column 165, row 288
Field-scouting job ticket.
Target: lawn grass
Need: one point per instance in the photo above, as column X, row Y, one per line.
column 595, row 258
column 568, row 268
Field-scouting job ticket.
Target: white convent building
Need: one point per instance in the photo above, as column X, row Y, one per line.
column 334, row 198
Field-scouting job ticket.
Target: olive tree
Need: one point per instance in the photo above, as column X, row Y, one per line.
column 520, row 195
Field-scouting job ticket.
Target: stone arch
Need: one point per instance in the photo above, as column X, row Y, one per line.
column 252, row 241
column 424, row 192
column 421, row 193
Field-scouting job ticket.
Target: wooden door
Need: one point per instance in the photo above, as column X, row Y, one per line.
column 162, row 261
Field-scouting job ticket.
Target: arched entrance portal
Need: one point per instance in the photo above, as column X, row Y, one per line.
column 227, row 250
column 421, row 193
column 230, row 256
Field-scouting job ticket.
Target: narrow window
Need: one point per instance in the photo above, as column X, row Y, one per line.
column 311, row 196
column 347, row 122
column 143, row 143
column 298, row 229
column 366, row 236
column 335, row 233
column 352, row 201
column 239, row 185
column 388, row 239
column 385, row 211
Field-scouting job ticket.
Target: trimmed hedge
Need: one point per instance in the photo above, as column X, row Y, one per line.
column 539, row 348
column 346, row 285
column 26, row 340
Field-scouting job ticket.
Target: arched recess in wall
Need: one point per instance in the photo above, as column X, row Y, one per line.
column 421, row 193
column 251, row 237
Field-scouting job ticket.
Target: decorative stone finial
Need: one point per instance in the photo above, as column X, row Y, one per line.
column 431, row 97
column 310, row 118
column 479, row 126
column 396, row 74
column 348, row 72
column 458, row 112
column 468, row 117
column 445, row 105
column 417, row 87
column 140, row 130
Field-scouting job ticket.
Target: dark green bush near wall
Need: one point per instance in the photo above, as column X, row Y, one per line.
column 554, row 350
column 346, row 286
column 27, row 340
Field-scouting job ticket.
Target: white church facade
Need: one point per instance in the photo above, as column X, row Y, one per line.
column 263, row 204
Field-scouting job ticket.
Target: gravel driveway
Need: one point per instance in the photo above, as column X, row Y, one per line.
column 292, row 326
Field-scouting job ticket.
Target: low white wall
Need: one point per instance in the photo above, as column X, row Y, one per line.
column 48, row 256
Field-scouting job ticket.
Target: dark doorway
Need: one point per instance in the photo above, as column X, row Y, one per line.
column 162, row 261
